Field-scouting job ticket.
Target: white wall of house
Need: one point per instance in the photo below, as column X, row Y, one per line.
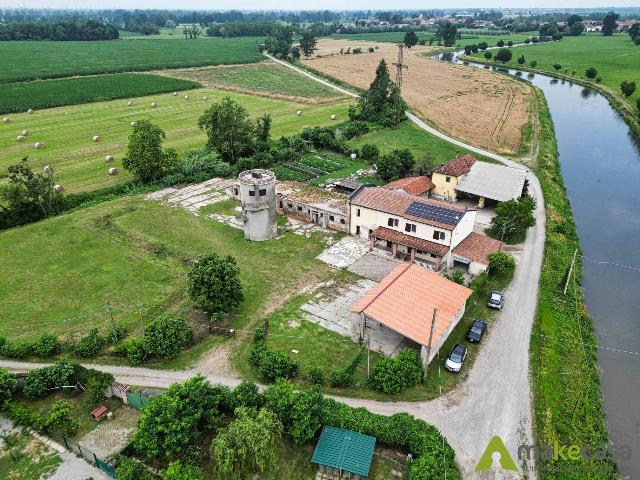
column 427, row 355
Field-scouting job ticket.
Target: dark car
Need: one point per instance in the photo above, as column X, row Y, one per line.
column 474, row 335
column 456, row 358
column 496, row 300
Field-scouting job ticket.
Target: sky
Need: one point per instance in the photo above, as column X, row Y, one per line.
column 315, row 4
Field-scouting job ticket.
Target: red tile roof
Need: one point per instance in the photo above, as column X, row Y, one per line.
column 477, row 248
column 405, row 300
column 396, row 202
column 398, row 237
column 457, row 167
column 412, row 185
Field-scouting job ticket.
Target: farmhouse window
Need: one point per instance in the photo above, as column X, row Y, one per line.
column 448, row 179
column 342, row 221
column 262, row 192
column 438, row 235
column 331, row 218
column 392, row 222
column 358, row 213
column 410, row 227
column 252, row 193
column 299, row 209
column 281, row 204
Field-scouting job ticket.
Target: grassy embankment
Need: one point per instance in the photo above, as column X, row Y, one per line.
column 21, row 96
column 28, row 60
column 23, row 457
column 566, row 384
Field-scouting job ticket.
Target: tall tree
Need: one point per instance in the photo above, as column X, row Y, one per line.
column 263, row 127
column 446, row 33
column 609, row 24
column 279, row 42
column 382, row 102
column 410, row 39
column 214, row 283
column 308, row 43
column 145, row 157
column 229, row 130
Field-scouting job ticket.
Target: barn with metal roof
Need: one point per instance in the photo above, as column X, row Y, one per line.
column 493, row 182
column 343, row 453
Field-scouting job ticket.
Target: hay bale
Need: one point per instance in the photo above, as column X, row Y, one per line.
column 174, row 94
column 299, row 112
column 6, row 120
column 47, row 169
column 58, row 188
column 186, row 97
column 153, row 104
column 30, row 110
column 129, row 103
column 133, row 124
column 108, row 158
column 25, row 132
column 205, row 98
column 113, row 171
column 20, row 138
column 333, row 117
column 95, row 138
column 39, row 145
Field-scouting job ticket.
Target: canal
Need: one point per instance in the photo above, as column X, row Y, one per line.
column 600, row 162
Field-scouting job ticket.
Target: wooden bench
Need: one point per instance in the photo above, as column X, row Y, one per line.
column 99, row 412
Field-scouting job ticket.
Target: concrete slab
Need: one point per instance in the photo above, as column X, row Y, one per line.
column 373, row 266
column 344, row 252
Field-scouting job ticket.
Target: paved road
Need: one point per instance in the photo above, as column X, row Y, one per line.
column 494, row 400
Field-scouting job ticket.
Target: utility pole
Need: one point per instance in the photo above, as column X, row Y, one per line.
column 566, row 284
column 113, row 324
column 400, row 66
column 433, row 323
column 141, row 318
column 368, row 355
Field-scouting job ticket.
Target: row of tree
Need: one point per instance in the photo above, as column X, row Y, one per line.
column 60, row 31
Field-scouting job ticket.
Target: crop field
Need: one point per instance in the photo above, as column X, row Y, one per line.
column 397, row 37
column 317, row 167
column 473, row 105
column 26, row 60
column 616, row 58
column 59, row 274
column 264, row 78
column 79, row 163
column 19, row 97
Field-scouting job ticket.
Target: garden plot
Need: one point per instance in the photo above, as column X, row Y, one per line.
column 193, row 197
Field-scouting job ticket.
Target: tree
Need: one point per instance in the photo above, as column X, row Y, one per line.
column 306, row 415
column 576, row 29
column 46, row 346
column 166, row 336
column 533, row 63
column 248, row 445
column 145, row 157
column 172, row 420
column 8, row 384
column 572, row 19
column 395, row 164
column 229, row 130
column 410, row 39
column 279, row 42
column 521, row 60
column 549, row 29
column 129, row 469
column 247, row 395
column 263, row 127
column 27, row 196
column 214, row 283
column 60, row 419
column 446, row 33
column 627, row 88
column 392, row 375
column 609, row 24
column 370, row 152
column 634, row 32
column 170, row 24
column 95, row 387
column 504, row 55
column 308, row 43
column 501, row 263
column 557, row 66
column 181, row 471
column 483, row 45
column 638, row 104
column 382, row 103
column 488, row 55
column 591, row 72
column 512, row 219
column 500, row 43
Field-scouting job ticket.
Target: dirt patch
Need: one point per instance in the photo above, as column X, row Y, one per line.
column 471, row 104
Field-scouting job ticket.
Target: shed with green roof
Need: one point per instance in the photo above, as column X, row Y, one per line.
column 344, row 453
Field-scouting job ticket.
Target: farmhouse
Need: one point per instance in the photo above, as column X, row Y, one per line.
column 411, row 305
column 488, row 181
column 313, row 205
column 409, row 227
column 420, row 186
column 445, row 178
column 472, row 254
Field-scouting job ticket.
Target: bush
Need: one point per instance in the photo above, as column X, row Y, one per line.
column 456, row 276
column 96, row 386
column 343, row 377
column 394, row 165
column 8, row 384
column 17, row 349
column 533, row 63
column 247, row 395
column 315, row 375
column 521, row 60
column 392, row 375
column 488, row 55
column 501, row 263
column 591, row 72
column 274, row 364
column 24, row 416
column 638, row 104
column 509, row 43
column 40, row 381
column 500, row 43
column 129, row 469
column 90, row 345
column 59, row 419
column 166, row 336
column 504, row 55
column 354, row 128
column 136, row 351
column 214, row 283
column 627, row 88
column 306, row 415
column 181, row 471
column 557, row 66
column 483, row 45
column 46, row 346
column 370, row 152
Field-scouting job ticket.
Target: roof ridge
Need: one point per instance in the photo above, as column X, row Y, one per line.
column 408, row 265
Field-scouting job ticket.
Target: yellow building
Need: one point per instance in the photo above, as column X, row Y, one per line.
column 445, row 178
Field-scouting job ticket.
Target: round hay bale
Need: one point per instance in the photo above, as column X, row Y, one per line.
column 333, row 117
column 153, row 104
column 58, row 188
column 25, row 132
column 174, row 94
column 47, row 169
column 133, row 124
column 20, row 138
column 30, row 110
column 6, row 120
column 39, row 145
column 299, row 112
column 113, row 171
column 205, row 98
column 353, row 156
column 108, row 158
column 95, row 138
column 186, row 97
column 129, row 103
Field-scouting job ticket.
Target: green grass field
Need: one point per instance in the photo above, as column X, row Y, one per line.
column 21, row 96
column 59, row 274
column 616, row 58
column 397, row 37
column 67, row 131
column 22, row 457
column 264, row 77
column 27, row 60
column 427, row 149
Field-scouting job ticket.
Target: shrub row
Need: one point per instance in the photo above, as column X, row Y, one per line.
column 393, row 375
column 272, row 364
column 343, row 376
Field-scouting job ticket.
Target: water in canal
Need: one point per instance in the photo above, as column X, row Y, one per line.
column 600, row 163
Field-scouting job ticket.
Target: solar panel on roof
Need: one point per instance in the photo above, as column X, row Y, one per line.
column 435, row 213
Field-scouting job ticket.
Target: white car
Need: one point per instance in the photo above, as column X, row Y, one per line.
column 496, row 300
column 456, row 358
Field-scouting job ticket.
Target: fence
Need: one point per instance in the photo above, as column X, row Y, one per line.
column 137, row 400
column 84, row 453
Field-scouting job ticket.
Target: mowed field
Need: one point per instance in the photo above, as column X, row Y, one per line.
column 616, row 58
column 59, row 274
column 264, row 78
column 79, row 162
column 473, row 105
column 27, row 60
column 397, row 37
